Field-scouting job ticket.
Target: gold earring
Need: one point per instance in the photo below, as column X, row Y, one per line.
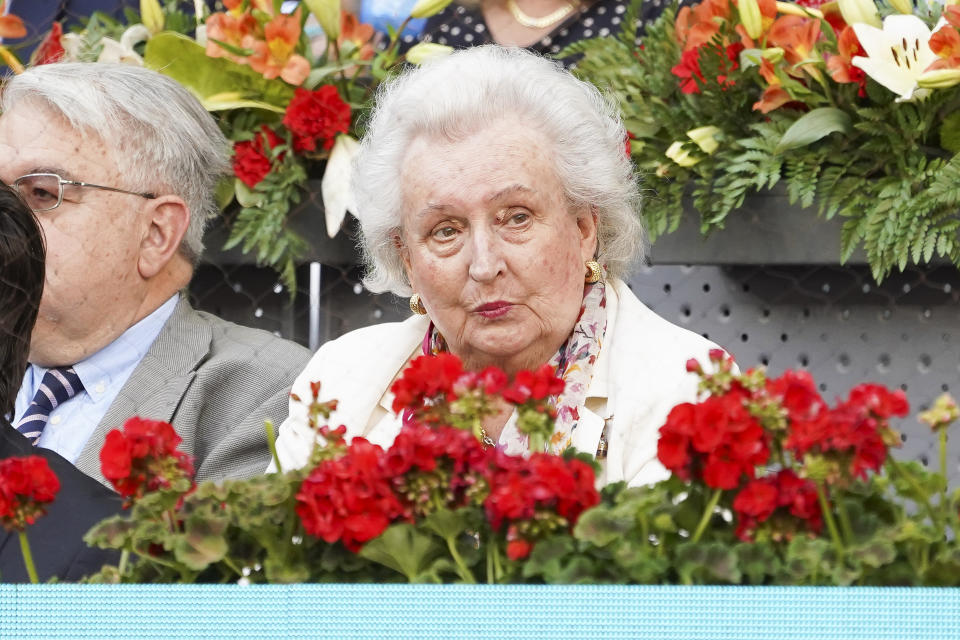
column 595, row 273
column 416, row 306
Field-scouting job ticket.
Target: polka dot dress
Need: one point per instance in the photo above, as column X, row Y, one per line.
column 462, row 27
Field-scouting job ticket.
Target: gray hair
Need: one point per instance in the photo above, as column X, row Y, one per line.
column 468, row 90
column 163, row 136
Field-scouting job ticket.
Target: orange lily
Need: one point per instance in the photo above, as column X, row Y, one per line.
column 230, row 29
column 951, row 13
column 698, row 24
column 768, row 15
column 840, row 65
column 274, row 56
column 773, row 98
column 945, row 42
column 358, row 33
column 797, row 36
column 10, row 25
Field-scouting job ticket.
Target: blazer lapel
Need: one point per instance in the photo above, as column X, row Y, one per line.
column 158, row 384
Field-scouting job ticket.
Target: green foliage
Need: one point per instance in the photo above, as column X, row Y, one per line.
column 889, row 169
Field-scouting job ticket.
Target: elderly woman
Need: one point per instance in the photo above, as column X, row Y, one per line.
column 493, row 189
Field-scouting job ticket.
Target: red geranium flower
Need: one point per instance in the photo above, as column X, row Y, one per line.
column 316, row 116
column 349, row 499
column 784, row 497
column 27, row 485
column 143, row 457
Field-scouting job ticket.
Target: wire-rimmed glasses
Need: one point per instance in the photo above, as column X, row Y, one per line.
column 44, row 191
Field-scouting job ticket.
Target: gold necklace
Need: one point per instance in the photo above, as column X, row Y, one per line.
column 538, row 23
column 486, row 440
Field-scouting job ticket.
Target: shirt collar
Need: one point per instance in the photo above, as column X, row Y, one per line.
column 116, row 360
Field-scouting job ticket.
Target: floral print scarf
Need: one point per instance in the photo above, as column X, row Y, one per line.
column 573, row 362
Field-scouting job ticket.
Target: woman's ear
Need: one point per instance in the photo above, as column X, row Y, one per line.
column 401, row 248
column 587, row 224
column 166, row 221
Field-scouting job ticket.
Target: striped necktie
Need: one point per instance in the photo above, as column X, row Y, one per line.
column 57, row 386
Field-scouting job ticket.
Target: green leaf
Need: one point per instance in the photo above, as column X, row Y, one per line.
column 202, row 542
column 710, row 563
column 813, row 126
column 950, row 132
column 601, row 525
column 181, row 58
column 757, row 561
column 405, row 550
column 448, row 524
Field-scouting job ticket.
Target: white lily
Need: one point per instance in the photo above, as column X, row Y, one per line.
column 335, row 187
column 123, row 51
column 897, row 55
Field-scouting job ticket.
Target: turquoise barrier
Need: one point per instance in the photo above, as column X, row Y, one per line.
column 477, row 612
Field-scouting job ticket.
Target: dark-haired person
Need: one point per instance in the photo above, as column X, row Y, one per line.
column 57, row 538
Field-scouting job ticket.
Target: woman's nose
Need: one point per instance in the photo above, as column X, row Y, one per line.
column 486, row 256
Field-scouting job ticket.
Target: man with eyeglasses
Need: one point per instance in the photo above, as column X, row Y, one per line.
column 120, row 164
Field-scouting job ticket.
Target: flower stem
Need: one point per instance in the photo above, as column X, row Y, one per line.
column 124, row 559
column 845, row 525
column 707, row 514
column 828, row 518
column 272, row 443
column 921, row 492
column 28, row 558
column 462, row 568
column 943, row 467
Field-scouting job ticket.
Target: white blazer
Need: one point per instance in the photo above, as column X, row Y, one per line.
column 640, row 374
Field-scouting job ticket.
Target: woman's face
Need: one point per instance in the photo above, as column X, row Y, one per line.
column 491, row 245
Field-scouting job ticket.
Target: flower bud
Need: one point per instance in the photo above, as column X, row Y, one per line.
column 151, row 15
column 750, row 17
column 773, row 54
column 791, row 9
column 681, row 156
column 903, row 6
column 860, row 12
column 423, row 51
column 327, row 13
column 939, row 79
column 705, row 137
column 427, row 8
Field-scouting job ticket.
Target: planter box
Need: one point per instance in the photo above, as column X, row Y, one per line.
column 477, row 612
column 767, row 229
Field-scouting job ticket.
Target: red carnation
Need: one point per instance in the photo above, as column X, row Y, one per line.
column 27, row 485
column 251, row 163
column 143, row 457
column 314, row 116
column 51, row 49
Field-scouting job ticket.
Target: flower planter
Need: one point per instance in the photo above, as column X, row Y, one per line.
column 767, row 229
column 345, row 611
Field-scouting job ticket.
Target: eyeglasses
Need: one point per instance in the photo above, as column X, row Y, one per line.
column 44, row 191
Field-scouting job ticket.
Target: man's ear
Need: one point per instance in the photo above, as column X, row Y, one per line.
column 166, row 221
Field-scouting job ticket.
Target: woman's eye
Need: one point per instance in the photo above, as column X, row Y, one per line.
column 444, row 233
column 519, row 218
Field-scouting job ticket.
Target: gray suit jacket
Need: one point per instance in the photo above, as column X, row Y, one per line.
column 216, row 382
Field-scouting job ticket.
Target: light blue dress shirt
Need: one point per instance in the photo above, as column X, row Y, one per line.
column 103, row 374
